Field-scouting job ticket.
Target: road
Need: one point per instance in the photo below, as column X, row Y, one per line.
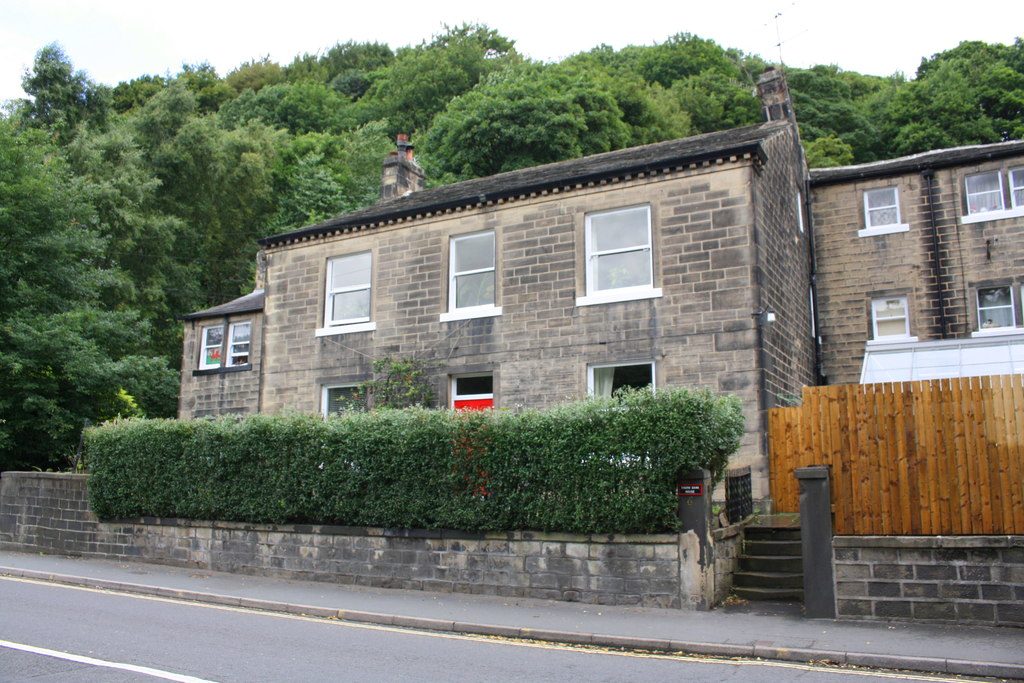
column 87, row 634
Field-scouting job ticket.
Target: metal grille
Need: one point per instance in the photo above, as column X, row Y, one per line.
column 738, row 501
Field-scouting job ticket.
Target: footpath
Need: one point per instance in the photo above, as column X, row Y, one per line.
column 747, row 631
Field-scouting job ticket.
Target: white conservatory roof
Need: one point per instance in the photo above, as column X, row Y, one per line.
column 976, row 357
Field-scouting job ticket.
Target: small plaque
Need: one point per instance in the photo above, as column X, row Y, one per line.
column 690, row 490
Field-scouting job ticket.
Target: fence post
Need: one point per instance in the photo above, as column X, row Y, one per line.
column 697, row 567
column 816, row 538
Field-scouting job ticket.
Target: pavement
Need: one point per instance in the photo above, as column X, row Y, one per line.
column 751, row 630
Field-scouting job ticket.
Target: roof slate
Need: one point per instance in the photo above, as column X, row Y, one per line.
column 646, row 158
column 939, row 158
column 243, row 304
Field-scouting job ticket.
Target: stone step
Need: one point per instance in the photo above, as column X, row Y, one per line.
column 772, row 547
column 758, row 593
column 769, row 533
column 771, row 563
column 780, row 580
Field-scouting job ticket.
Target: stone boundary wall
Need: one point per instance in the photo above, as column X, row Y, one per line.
column 50, row 513
column 962, row 579
column 728, row 548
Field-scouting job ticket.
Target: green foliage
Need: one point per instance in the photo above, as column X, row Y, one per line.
column 62, row 97
column 210, row 90
column 129, row 96
column 420, row 82
column 64, row 356
column 828, row 151
column 399, row 383
column 597, row 466
column 346, row 61
column 254, row 75
column 296, row 107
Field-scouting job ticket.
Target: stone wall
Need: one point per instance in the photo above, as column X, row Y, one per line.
column 42, row 512
column 963, row 579
column 728, row 548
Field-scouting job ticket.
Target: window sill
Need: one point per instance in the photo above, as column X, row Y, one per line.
column 221, row 371
column 996, row 332
column 346, row 329
column 616, row 295
column 993, row 215
column 891, row 340
column 472, row 312
column 883, row 230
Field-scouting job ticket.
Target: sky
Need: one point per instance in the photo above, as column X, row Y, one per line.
column 117, row 40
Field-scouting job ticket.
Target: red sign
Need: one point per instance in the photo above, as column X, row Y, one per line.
column 474, row 404
column 690, row 490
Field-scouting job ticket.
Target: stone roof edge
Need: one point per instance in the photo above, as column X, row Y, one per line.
column 247, row 303
column 338, row 225
column 936, row 158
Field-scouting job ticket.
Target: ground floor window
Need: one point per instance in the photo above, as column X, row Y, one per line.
column 212, row 347
column 605, row 379
column 473, row 392
column 339, row 399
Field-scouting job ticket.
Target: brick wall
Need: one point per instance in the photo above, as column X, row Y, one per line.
column 937, row 264
column 225, row 390
column 962, row 579
column 49, row 513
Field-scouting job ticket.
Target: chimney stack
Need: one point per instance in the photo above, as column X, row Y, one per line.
column 402, row 174
column 776, row 104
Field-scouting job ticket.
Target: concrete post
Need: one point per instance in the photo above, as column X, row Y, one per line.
column 696, row 551
column 816, row 537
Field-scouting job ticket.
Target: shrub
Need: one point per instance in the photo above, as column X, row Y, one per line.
column 595, row 466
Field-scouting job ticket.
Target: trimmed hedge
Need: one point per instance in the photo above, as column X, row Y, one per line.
column 595, row 466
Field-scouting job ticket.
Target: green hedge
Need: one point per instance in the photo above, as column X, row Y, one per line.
column 596, row 466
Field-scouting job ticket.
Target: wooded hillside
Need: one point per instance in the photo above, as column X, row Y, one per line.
column 123, row 208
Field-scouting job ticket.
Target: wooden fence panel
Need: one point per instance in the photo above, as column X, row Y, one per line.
column 915, row 458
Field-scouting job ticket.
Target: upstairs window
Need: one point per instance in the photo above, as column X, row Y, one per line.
column 211, row 350
column 889, row 319
column 619, row 263
column 984, row 193
column 996, row 309
column 241, row 336
column 473, row 392
column 1017, row 187
column 471, row 277
column 348, row 290
column 882, row 212
column 604, row 380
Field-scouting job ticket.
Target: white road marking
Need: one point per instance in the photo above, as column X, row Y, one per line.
column 156, row 673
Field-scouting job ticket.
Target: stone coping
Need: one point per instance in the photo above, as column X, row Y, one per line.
column 1010, row 541
column 329, row 529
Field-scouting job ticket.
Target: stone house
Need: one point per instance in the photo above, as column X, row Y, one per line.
column 920, row 265
column 681, row 263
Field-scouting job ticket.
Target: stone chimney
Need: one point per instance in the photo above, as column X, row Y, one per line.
column 402, row 174
column 774, row 94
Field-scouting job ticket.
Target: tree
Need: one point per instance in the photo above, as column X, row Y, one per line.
column 420, row 82
column 254, row 75
column 62, row 97
column 64, row 356
column 136, row 92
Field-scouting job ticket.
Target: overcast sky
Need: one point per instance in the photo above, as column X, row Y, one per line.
column 117, row 40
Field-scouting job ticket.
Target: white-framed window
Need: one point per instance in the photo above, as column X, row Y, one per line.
column 472, row 392
column 340, row 398
column 471, row 277
column 984, row 193
column 1017, row 187
column 211, row 349
column 882, row 212
column 347, row 300
column 996, row 310
column 240, row 335
column 889, row 318
column 619, row 256
column 604, row 379
column 985, row 198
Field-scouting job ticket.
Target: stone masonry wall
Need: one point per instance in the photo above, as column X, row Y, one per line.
column 225, row 390
column 963, row 579
column 853, row 270
column 49, row 513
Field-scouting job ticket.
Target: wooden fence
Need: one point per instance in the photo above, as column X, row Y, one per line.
column 915, row 458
